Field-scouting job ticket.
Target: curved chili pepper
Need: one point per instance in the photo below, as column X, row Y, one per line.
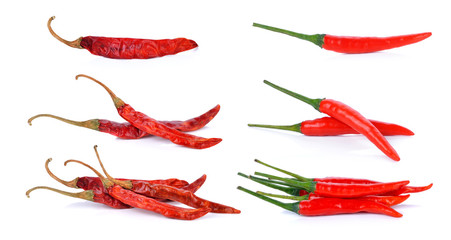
column 168, row 192
column 327, row 126
column 151, row 126
column 328, row 206
column 128, row 131
column 346, row 44
column 348, row 116
column 127, row 48
column 139, row 201
column 341, row 180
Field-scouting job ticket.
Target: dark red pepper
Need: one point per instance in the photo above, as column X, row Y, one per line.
column 127, row 48
column 345, row 44
column 348, row 116
column 327, row 126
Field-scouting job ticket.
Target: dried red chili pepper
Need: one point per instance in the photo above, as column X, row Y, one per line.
column 348, row 116
column 329, row 206
column 127, row 48
column 139, row 201
column 151, row 126
column 327, row 126
column 346, row 44
column 168, row 192
column 128, row 131
column 341, row 180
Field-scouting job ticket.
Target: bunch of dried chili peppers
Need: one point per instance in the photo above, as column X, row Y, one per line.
column 347, row 44
column 127, row 48
column 150, row 195
column 139, row 125
column 342, row 120
column 333, row 195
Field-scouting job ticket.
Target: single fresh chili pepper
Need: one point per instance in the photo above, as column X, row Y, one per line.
column 139, row 201
column 96, row 194
column 328, row 206
column 127, row 48
column 127, row 131
column 168, row 192
column 151, row 126
column 341, row 180
column 346, row 44
column 348, row 116
column 338, row 190
column 327, row 126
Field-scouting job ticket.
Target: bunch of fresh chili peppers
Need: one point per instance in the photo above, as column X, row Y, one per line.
column 346, row 44
column 333, row 195
column 127, row 48
column 342, row 120
column 139, row 125
column 151, row 195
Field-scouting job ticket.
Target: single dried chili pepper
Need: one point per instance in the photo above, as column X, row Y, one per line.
column 327, row 126
column 128, row 131
column 127, row 48
column 341, row 180
column 338, row 190
column 139, row 201
column 151, row 126
column 328, row 206
column 346, row 44
column 168, row 192
column 348, row 116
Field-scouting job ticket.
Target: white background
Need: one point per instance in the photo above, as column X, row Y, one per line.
column 404, row 86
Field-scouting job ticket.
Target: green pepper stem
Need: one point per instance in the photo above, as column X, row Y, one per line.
column 301, row 178
column 295, row 128
column 297, row 198
column 317, row 39
column 308, row 186
column 273, row 184
column 314, row 102
column 288, row 206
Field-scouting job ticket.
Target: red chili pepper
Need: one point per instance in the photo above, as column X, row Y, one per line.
column 128, row 131
column 328, row 206
column 345, row 44
column 327, row 126
column 127, row 48
column 151, row 126
column 139, row 201
column 168, row 192
column 348, row 116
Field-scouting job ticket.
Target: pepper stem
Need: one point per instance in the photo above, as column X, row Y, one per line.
column 308, row 186
column 314, row 102
column 91, row 124
column 71, row 184
column 124, row 184
column 297, row 198
column 86, row 195
column 117, row 101
column 288, row 206
column 75, row 44
column 301, row 178
column 295, row 127
column 273, row 184
column 317, row 39
column 107, row 183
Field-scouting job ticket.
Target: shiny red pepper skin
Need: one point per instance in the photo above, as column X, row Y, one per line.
column 332, row 206
column 327, row 126
column 336, row 190
column 132, row 48
column 139, row 201
column 344, row 44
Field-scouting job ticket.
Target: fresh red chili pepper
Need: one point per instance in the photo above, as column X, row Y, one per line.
column 140, row 201
column 151, row 126
column 168, row 192
column 127, row 48
column 128, row 131
column 328, row 206
column 346, row 44
column 327, row 126
column 348, row 116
